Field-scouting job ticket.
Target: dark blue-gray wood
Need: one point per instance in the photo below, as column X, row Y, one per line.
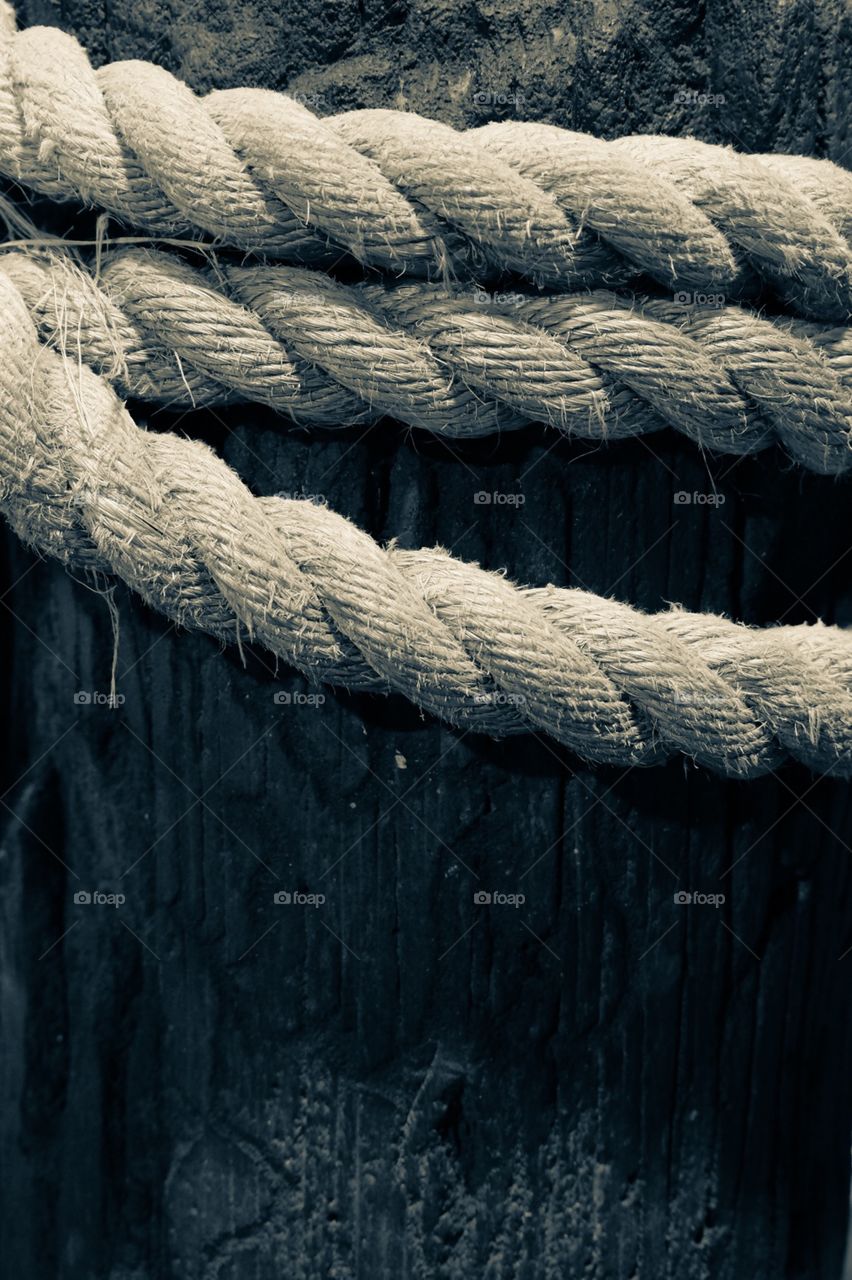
column 201, row 1082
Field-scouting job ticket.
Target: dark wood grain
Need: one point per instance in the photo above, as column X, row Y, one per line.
column 399, row 1083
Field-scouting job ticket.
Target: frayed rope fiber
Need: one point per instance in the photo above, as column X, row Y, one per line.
column 81, row 482
column 257, row 170
column 459, row 363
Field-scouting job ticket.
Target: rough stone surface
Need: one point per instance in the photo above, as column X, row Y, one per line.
column 202, row 1083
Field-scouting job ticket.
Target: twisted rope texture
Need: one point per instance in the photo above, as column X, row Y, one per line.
column 460, row 363
column 257, row 170
column 80, row 481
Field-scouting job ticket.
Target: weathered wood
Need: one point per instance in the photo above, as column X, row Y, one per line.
column 401, row 1083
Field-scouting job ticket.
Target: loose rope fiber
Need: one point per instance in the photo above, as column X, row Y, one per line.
column 457, row 363
column 257, row 170
column 81, row 482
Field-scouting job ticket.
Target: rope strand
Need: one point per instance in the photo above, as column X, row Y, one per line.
column 459, row 364
column 81, row 482
column 411, row 195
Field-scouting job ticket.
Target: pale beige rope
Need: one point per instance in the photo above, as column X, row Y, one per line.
column 80, row 481
column 258, row 170
column 459, row 363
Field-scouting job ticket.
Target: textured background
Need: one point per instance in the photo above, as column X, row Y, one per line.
column 398, row 1083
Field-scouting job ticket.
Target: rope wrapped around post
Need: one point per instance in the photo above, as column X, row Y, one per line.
column 458, row 363
column 409, row 195
column 81, row 482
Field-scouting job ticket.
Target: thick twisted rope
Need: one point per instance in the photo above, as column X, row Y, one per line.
column 257, row 170
column 80, row 481
column 457, row 363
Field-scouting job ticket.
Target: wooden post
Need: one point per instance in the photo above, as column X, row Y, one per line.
column 400, row 1081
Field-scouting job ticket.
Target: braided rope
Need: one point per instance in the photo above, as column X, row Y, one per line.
column 412, row 195
column 459, row 364
column 80, row 481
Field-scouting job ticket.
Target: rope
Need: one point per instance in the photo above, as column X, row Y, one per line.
column 257, row 170
column 457, row 363
column 81, row 482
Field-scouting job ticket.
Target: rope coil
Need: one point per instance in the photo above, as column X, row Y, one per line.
column 81, row 482
column 410, row 195
column 462, row 363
